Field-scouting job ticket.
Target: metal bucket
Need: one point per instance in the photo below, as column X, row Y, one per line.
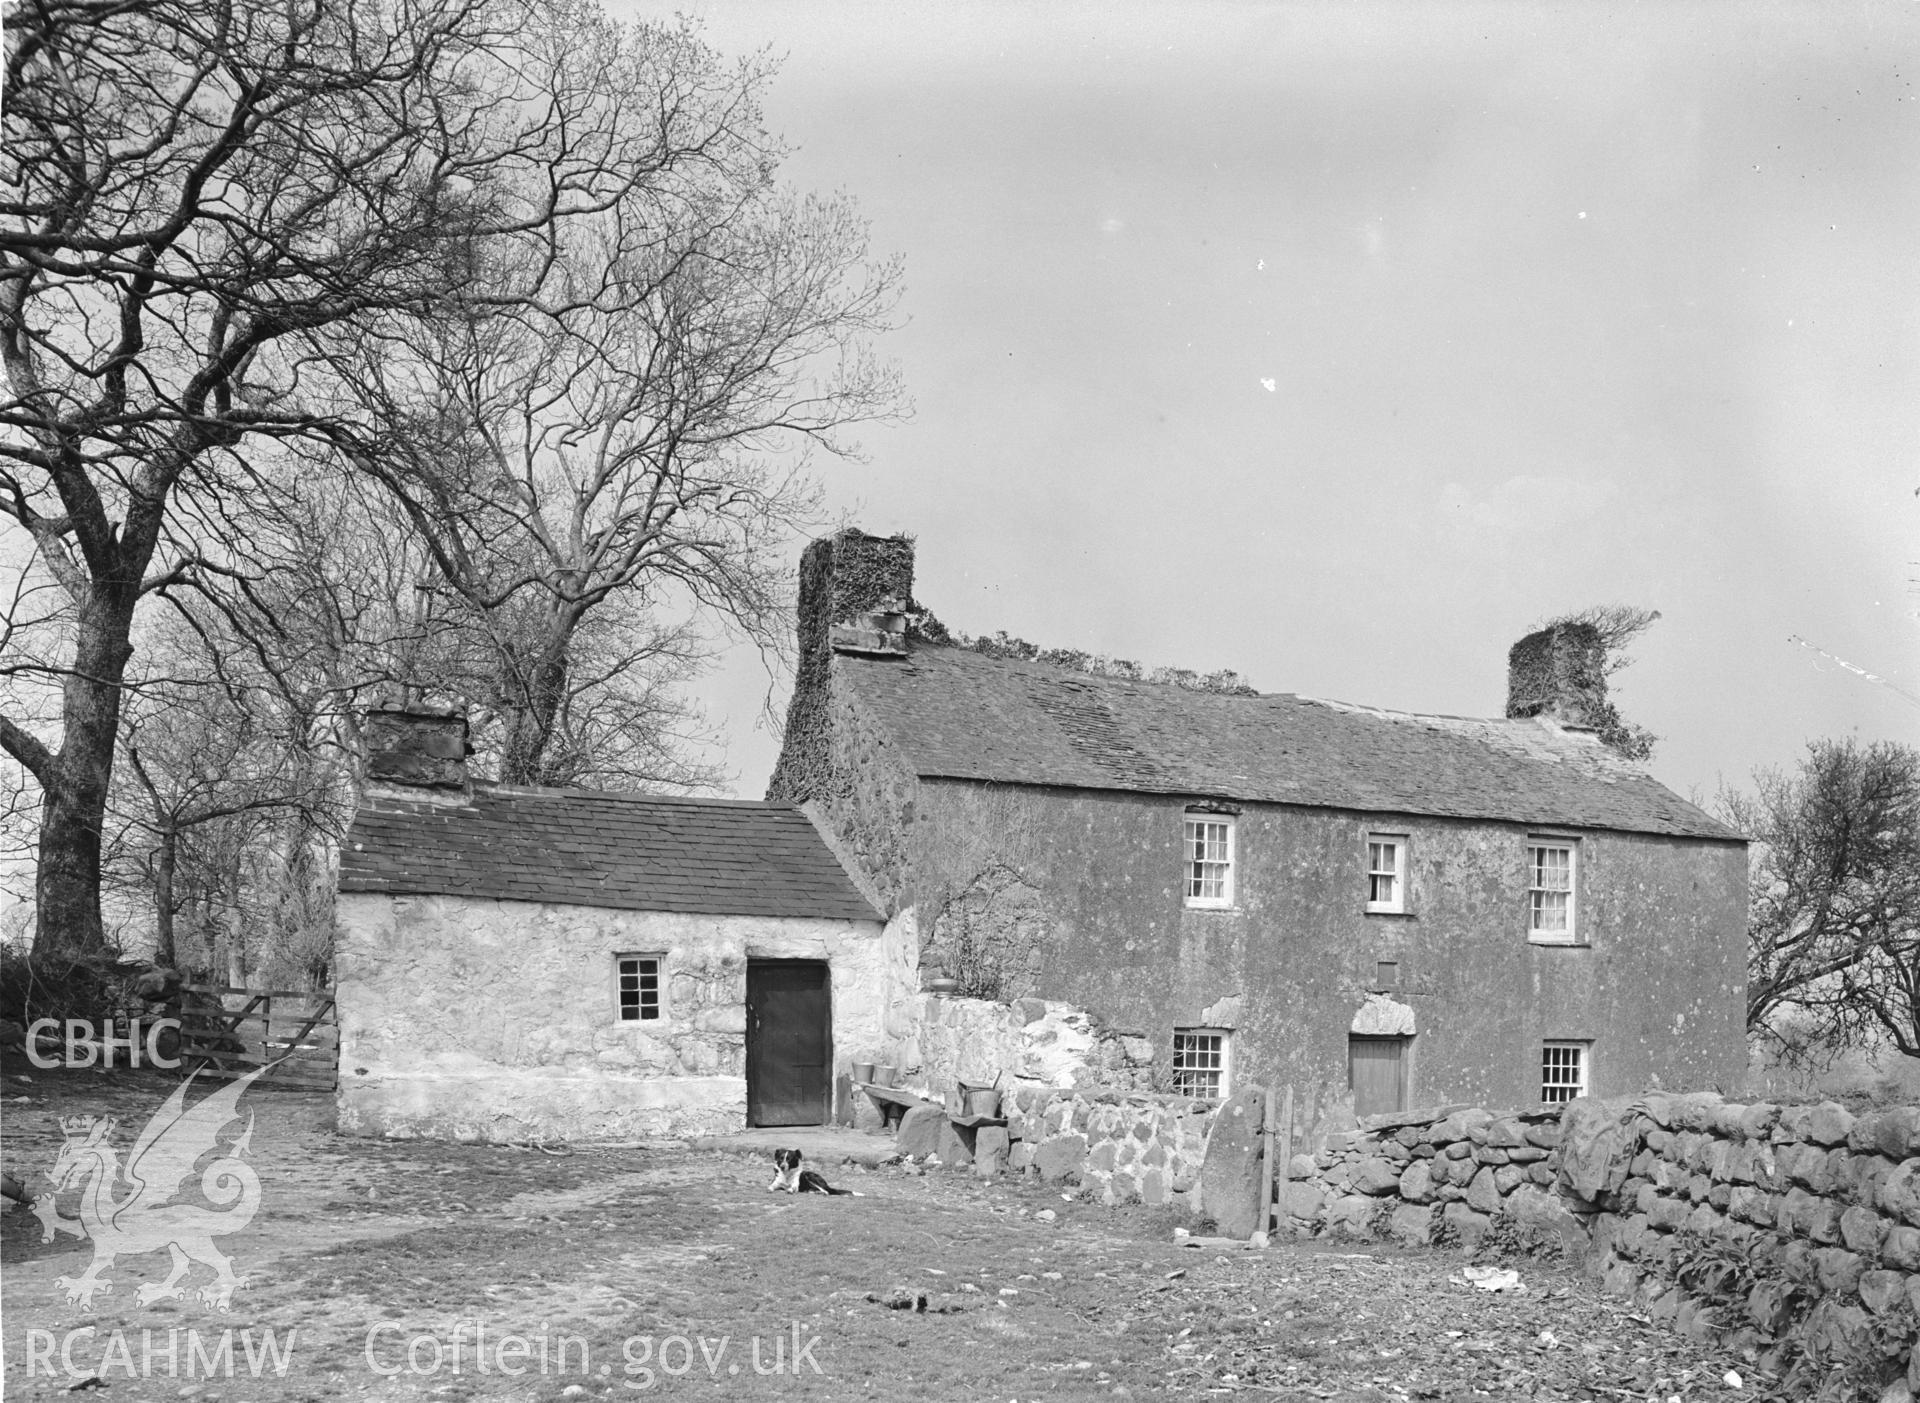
column 983, row 1103
column 862, row 1072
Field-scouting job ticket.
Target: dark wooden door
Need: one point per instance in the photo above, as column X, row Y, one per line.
column 789, row 1045
column 1377, row 1071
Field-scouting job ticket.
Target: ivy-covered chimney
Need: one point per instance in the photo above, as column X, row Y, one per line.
column 856, row 596
column 1560, row 673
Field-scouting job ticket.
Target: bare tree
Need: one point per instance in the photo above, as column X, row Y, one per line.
column 1834, row 923
column 216, row 213
column 1615, row 627
column 596, row 474
column 236, row 736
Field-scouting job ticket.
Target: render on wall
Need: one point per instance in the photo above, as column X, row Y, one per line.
column 519, row 963
column 1067, row 885
column 496, row 1020
column 1655, row 988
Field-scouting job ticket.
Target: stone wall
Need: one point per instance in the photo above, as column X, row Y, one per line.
column 1121, row 1148
column 1790, row 1231
column 497, row 1020
column 1031, row 1043
column 1442, row 1173
column 1076, row 1097
column 1658, row 913
column 1812, row 1214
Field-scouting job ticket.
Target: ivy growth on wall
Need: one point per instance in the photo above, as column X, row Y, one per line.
column 1002, row 645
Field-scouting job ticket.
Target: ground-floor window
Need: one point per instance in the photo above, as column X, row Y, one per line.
column 1564, row 1069
column 1200, row 1062
column 639, row 987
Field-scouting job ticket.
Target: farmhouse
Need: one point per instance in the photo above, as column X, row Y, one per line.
column 1376, row 908
column 518, row 964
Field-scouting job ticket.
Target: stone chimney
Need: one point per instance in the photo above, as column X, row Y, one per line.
column 1560, row 673
column 418, row 752
column 856, row 592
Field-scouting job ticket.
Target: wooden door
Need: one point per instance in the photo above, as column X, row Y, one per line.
column 1377, row 1072
column 789, row 1043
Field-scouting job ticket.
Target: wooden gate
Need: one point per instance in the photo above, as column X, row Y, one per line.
column 295, row 1034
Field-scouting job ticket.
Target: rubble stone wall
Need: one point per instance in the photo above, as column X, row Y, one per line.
column 1119, row 1147
column 1792, row 1231
column 1426, row 1175
column 1122, row 1147
column 1030, row 1043
column 476, row 1019
column 1778, row 1226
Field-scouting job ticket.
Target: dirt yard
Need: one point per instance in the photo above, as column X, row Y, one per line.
column 417, row 1270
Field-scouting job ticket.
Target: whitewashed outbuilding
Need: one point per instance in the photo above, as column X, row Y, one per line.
column 520, row 964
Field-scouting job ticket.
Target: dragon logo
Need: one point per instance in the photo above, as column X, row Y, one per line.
column 142, row 1220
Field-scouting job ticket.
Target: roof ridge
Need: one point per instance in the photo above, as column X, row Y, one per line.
column 543, row 791
column 1077, row 675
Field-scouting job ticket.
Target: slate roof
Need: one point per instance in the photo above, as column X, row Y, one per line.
column 715, row 857
column 959, row 714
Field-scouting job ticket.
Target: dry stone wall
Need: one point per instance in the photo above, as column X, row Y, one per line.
column 1440, row 1174
column 1793, row 1232
column 1787, row 1228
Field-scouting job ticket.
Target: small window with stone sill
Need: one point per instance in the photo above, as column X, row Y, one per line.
column 1201, row 1062
column 638, row 987
column 1387, row 874
column 1564, row 1068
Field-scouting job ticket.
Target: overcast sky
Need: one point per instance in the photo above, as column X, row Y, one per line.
column 1339, row 344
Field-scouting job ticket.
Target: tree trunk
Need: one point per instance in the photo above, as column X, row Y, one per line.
column 163, row 865
column 74, row 796
column 530, row 726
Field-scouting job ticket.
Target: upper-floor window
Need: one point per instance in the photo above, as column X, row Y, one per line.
column 1209, row 852
column 1200, row 1062
column 1386, row 872
column 1553, row 868
column 639, row 987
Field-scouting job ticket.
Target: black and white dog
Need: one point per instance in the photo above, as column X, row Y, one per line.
column 790, row 1176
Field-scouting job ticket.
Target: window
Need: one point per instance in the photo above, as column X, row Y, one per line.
column 1563, row 1071
column 639, row 984
column 1551, row 866
column 1209, row 853
column 1386, row 872
column 1200, row 1063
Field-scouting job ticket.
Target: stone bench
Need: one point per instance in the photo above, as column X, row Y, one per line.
column 893, row 1103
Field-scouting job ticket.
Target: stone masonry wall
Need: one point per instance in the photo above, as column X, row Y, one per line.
column 1120, row 1147
column 1075, row 1096
column 1790, row 1231
column 477, row 1019
column 1816, row 1213
column 1028, row 1042
column 1441, row 1173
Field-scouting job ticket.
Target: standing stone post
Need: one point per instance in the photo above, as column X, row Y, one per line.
column 1231, row 1184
